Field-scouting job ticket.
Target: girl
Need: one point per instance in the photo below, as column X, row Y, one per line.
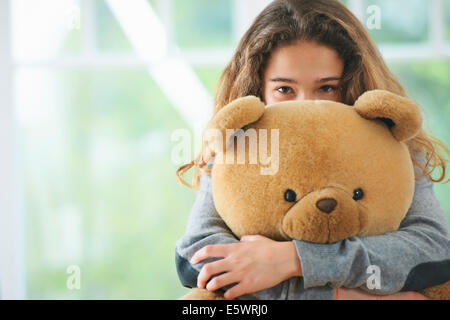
column 310, row 49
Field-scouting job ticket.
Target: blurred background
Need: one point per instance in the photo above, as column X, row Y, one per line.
column 91, row 93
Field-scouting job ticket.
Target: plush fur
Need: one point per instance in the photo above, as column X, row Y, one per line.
column 327, row 150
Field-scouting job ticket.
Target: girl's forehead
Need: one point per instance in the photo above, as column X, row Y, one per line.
column 303, row 59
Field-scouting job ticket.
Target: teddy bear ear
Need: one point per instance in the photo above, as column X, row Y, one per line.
column 401, row 115
column 233, row 116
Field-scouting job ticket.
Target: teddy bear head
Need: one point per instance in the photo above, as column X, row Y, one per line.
column 318, row 171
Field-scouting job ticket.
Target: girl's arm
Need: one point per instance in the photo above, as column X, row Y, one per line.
column 205, row 227
column 421, row 239
column 423, row 236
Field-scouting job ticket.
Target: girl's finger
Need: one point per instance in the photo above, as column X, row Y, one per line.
column 248, row 238
column 222, row 281
column 211, row 251
column 209, row 270
column 406, row 295
column 236, row 291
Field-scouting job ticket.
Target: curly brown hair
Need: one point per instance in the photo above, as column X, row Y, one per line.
column 327, row 22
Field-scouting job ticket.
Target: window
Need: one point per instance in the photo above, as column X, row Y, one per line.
column 94, row 115
column 94, row 121
column 447, row 18
column 401, row 21
column 211, row 19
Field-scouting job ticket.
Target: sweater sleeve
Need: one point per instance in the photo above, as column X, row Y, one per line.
column 205, row 227
column 421, row 243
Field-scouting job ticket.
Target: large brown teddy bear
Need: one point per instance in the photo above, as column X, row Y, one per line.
column 329, row 171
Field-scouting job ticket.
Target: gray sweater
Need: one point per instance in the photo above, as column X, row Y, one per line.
column 414, row 257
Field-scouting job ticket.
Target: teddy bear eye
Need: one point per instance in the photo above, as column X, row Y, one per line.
column 358, row 194
column 290, row 195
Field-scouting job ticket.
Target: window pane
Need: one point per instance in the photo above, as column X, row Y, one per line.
column 109, row 36
column 447, row 18
column 401, row 20
column 209, row 76
column 203, row 23
column 43, row 29
column 100, row 189
column 428, row 83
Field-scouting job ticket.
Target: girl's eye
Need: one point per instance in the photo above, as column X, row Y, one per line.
column 328, row 88
column 285, row 90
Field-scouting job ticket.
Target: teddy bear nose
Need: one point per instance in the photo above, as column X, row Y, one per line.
column 326, row 205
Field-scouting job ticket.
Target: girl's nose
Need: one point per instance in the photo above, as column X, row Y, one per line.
column 305, row 95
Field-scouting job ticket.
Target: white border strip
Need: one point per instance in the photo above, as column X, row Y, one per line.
column 12, row 275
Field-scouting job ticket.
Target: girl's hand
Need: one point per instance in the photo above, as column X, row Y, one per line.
column 358, row 294
column 256, row 263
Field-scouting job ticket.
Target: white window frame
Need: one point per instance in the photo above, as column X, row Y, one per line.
column 12, row 250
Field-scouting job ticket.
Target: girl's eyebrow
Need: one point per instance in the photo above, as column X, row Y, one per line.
column 280, row 79
column 283, row 80
column 329, row 79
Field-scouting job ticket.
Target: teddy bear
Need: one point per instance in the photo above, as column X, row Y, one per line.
column 318, row 171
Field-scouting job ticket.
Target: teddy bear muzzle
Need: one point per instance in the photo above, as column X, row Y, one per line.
column 324, row 216
column 326, row 205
